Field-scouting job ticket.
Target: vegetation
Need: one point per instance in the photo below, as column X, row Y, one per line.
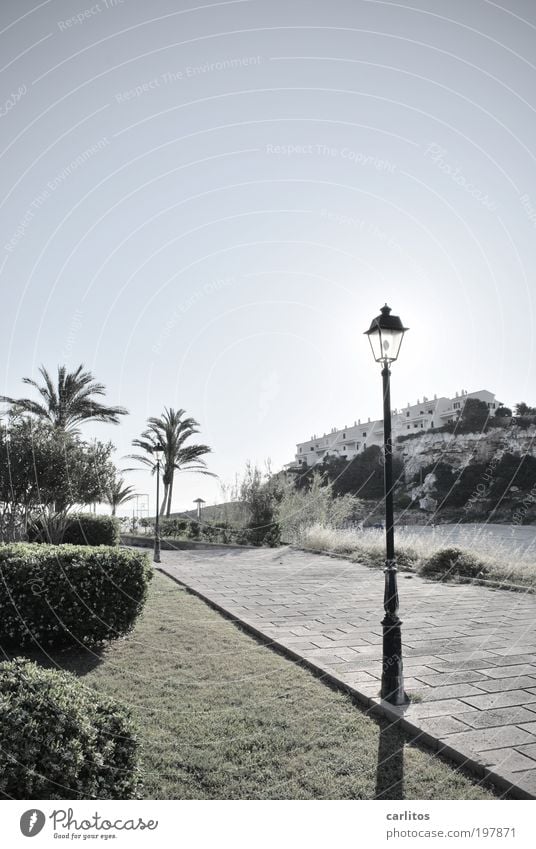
column 61, row 740
column 299, row 509
column 119, row 493
column 170, row 432
column 242, row 722
column 448, row 563
column 44, row 473
column 64, row 595
column 92, row 529
column 484, row 558
column 362, row 476
column 260, row 492
column 69, row 402
column 522, row 409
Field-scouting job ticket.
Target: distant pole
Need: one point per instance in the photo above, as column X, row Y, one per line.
column 199, row 502
column 156, row 557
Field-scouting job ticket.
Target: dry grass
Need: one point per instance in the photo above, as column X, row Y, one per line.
column 501, row 560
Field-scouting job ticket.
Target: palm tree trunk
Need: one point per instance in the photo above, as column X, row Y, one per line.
column 170, row 495
column 164, row 500
column 113, row 509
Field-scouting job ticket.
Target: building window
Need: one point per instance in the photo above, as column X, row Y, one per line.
column 364, row 433
column 430, row 412
column 300, row 450
column 415, row 425
column 408, row 427
column 311, row 449
column 344, row 436
column 407, row 415
column 422, row 424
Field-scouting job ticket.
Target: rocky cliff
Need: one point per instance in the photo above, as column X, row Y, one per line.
column 457, row 450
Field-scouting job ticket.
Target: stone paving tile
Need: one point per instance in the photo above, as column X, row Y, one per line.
column 509, row 698
column 486, row 739
column 509, row 671
column 508, row 759
column 440, row 726
column 516, row 649
column 443, row 707
column 529, row 750
column 450, row 691
column 502, row 716
column 461, row 665
column 525, row 780
column 492, row 685
column 469, row 652
column 440, row 679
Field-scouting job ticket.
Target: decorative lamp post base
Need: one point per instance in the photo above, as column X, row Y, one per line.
column 392, row 689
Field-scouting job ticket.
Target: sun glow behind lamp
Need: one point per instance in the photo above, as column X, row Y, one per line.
column 385, row 335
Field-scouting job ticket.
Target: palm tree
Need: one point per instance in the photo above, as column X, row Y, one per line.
column 170, row 431
column 69, row 402
column 119, row 494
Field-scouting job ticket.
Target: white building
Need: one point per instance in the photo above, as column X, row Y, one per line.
column 415, row 418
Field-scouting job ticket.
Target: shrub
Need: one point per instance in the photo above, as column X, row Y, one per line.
column 172, row 527
column 448, row 563
column 299, row 510
column 61, row 740
column 90, row 529
column 82, row 529
column 61, row 594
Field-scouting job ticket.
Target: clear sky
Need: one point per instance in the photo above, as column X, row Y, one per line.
column 206, row 204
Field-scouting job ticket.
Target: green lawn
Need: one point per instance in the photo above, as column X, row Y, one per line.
column 224, row 717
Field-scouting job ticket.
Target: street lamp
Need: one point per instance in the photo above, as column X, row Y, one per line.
column 199, row 502
column 157, row 454
column 385, row 336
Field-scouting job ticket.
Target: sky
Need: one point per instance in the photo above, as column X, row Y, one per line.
column 207, row 203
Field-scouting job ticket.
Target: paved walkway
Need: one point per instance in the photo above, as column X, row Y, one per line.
column 469, row 652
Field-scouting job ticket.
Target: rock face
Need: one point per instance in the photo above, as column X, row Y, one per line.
column 457, row 450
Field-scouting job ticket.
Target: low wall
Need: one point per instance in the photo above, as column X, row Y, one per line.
column 178, row 544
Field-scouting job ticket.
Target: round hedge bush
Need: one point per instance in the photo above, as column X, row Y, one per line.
column 53, row 595
column 62, row 740
column 448, row 563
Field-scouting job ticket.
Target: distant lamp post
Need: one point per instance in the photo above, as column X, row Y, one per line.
column 385, row 336
column 157, row 454
column 199, row 502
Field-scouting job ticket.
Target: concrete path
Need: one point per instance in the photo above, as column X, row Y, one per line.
column 469, row 652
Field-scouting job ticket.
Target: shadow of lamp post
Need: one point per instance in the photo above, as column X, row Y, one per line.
column 385, row 336
column 157, row 454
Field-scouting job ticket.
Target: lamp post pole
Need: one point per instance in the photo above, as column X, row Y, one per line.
column 156, row 556
column 392, row 688
column 385, row 336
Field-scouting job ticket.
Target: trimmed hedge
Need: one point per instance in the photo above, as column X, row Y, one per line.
column 66, row 594
column 83, row 529
column 61, row 740
column 91, row 529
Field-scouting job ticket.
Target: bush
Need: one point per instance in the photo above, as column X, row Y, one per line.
column 65, row 594
column 82, row 529
column 61, row 740
column 90, row 529
column 448, row 563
